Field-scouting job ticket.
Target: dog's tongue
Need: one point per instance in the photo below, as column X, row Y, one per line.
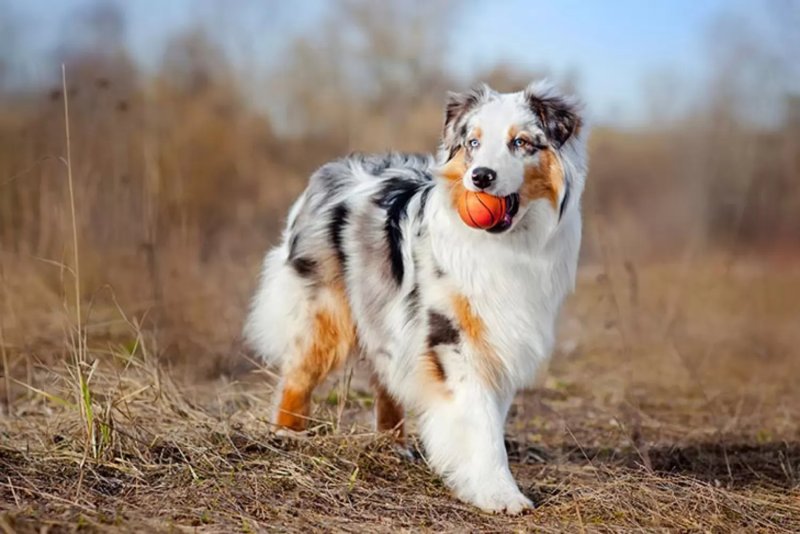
column 512, row 206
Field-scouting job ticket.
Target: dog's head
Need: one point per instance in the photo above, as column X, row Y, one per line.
column 511, row 145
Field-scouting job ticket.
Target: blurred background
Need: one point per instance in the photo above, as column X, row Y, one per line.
column 194, row 123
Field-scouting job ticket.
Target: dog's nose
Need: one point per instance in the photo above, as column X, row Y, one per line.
column 483, row 177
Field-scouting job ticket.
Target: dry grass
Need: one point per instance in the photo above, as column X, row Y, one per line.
column 625, row 434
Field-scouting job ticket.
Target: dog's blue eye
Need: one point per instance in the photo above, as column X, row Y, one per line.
column 520, row 143
column 474, row 143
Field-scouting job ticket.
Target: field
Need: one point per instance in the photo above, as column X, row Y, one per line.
column 670, row 404
column 140, row 188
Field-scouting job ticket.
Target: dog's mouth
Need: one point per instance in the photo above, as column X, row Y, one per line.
column 512, row 207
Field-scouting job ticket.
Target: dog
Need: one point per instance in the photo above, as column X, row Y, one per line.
column 455, row 320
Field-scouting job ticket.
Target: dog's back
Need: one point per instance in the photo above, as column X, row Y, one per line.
column 367, row 195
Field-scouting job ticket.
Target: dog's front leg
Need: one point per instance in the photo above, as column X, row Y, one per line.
column 463, row 436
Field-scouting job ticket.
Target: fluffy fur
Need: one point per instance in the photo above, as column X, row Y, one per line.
column 455, row 320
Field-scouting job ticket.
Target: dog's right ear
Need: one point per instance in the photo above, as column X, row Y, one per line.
column 559, row 115
column 456, row 110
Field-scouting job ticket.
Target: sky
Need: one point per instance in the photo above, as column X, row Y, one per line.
column 613, row 45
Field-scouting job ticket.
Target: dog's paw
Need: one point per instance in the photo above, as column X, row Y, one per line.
column 407, row 452
column 509, row 501
column 287, row 434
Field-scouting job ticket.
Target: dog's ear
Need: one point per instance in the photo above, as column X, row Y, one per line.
column 559, row 115
column 457, row 108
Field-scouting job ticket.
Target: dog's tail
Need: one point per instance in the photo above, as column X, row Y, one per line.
column 280, row 308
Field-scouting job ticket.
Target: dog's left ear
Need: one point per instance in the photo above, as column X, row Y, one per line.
column 457, row 108
column 560, row 115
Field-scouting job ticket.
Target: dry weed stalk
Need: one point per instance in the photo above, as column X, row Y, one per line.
column 81, row 371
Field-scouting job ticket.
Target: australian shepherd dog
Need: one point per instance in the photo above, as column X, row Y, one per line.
column 454, row 320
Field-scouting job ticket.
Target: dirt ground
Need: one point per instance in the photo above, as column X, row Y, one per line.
column 671, row 404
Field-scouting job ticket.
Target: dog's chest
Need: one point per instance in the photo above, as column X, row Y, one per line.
column 515, row 298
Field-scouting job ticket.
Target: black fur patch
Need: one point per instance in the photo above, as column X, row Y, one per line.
column 305, row 267
column 394, row 198
column 453, row 151
column 442, row 331
column 339, row 218
column 564, row 202
column 462, row 132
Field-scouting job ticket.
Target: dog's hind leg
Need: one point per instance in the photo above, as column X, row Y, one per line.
column 301, row 321
column 323, row 347
column 388, row 412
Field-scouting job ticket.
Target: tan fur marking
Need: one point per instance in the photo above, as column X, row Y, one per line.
column 457, row 191
column 454, row 169
column 489, row 365
column 434, row 367
column 544, row 180
column 388, row 413
column 513, row 131
column 293, row 409
column 333, row 337
column 470, row 323
column 433, row 377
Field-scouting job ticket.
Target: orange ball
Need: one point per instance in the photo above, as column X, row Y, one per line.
column 481, row 210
